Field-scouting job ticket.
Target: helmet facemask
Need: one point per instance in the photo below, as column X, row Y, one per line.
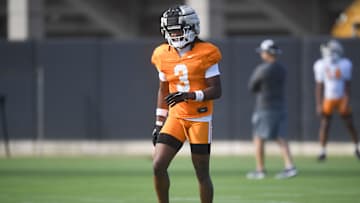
column 179, row 37
column 331, row 51
column 329, row 55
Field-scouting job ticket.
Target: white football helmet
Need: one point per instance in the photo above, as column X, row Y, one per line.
column 332, row 50
column 180, row 26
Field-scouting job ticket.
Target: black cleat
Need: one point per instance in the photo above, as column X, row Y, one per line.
column 321, row 157
column 357, row 154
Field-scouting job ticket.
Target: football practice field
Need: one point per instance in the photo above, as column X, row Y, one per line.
column 129, row 180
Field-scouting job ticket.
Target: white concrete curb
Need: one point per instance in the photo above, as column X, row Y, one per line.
column 144, row 147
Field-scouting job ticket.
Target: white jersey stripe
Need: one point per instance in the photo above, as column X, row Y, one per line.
column 212, row 71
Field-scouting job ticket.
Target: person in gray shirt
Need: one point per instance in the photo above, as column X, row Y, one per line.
column 269, row 118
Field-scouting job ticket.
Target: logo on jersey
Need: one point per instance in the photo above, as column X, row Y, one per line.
column 334, row 74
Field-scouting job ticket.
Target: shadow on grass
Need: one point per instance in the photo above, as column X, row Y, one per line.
column 346, row 172
column 302, row 172
column 75, row 173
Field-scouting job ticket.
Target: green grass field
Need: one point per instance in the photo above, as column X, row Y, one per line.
column 129, row 180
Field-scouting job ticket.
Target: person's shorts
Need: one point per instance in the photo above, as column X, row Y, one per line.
column 330, row 105
column 194, row 132
column 269, row 124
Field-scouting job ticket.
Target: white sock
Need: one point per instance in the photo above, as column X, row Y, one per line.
column 323, row 151
column 289, row 167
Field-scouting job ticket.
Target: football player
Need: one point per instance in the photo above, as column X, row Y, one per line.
column 189, row 81
column 333, row 75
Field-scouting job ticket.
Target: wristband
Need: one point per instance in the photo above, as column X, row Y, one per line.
column 159, row 123
column 161, row 112
column 199, row 95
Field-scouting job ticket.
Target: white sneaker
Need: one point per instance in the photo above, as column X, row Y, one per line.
column 287, row 173
column 256, row 175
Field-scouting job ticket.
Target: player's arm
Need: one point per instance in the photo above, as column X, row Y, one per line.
column 347, row 92
column 347, row 76
column 161, row 108
column 211, row 92
column 319, row 96
column 319, row 74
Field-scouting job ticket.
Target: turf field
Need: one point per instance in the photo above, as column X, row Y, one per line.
column 129, row 180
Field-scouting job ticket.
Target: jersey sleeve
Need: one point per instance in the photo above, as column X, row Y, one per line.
column 213, row 56
column 212, row 71
column 155, row 58
column 162, row 76
column 156, row 61
column 347, row 69
column 318, row 71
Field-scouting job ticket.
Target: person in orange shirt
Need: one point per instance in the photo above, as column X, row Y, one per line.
column 189, row 81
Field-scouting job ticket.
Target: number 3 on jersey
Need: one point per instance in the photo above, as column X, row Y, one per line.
column 181, row 71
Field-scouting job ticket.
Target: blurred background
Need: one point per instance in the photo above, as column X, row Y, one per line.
column 79, row 70
column 44, row 19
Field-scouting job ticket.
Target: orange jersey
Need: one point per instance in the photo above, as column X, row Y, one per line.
column 187, row 74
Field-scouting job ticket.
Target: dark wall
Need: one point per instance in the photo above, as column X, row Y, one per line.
column 17, row 83
column 71, row 87
column 106, row 89
column 128, row 89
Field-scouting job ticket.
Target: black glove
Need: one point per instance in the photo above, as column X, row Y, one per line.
column 155, row 133
column 176, row 97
